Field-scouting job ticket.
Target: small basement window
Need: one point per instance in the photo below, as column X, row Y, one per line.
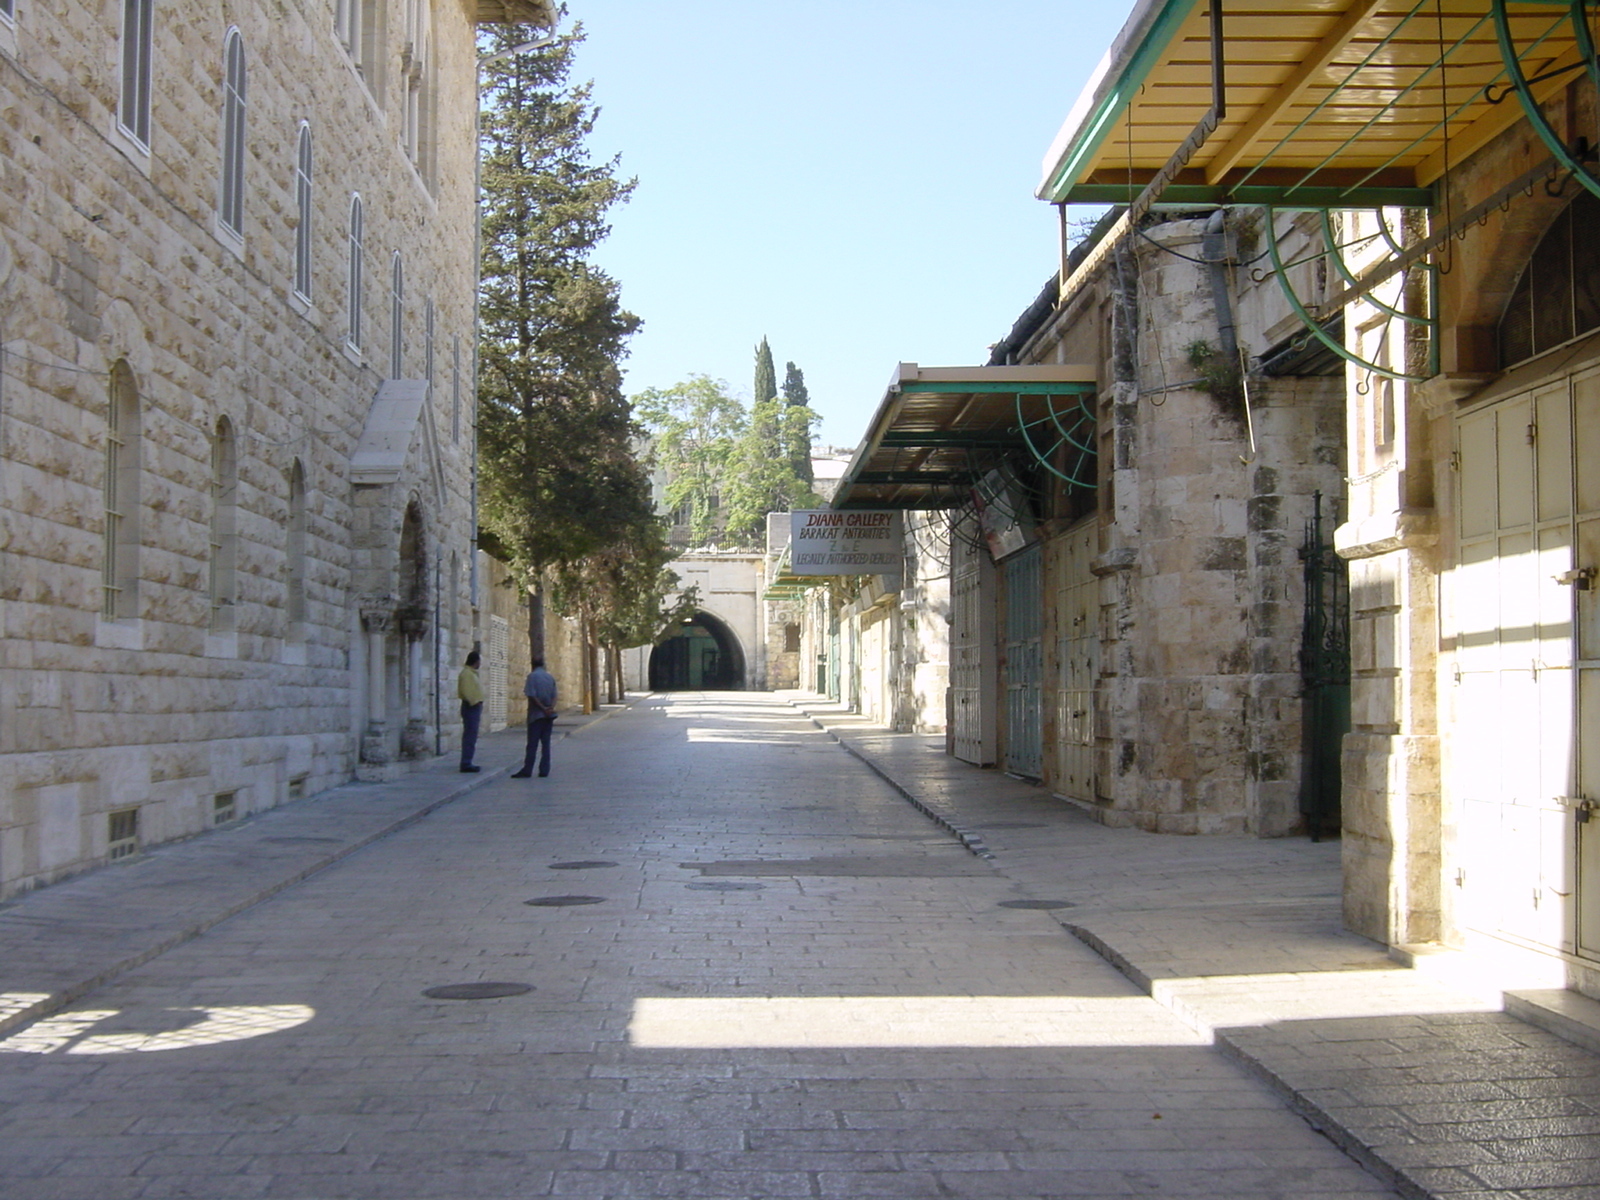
column 122, row 833
column 224, row 807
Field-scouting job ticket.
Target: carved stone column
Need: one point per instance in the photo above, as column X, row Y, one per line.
column 376, row 618
column 414, row 626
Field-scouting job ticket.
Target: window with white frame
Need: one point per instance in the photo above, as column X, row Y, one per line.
column 427, row 344
column 455, row 387
column 397, row 319
column 353, row 302
column 231, row 193
column 358, row 24
column 133, row 101
column 415, row 67
column 302, row 205
column 8, row 11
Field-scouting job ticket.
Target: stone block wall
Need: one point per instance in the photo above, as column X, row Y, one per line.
column 113, row 255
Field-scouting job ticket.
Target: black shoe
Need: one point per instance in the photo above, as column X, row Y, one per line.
column 544, row 774
column 470, row 770
column 521, row 775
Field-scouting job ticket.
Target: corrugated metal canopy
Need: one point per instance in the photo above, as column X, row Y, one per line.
column 939, row 429
column 1329, row 103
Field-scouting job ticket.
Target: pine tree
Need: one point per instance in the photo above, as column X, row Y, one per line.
column 559, row 479
column 797, row 428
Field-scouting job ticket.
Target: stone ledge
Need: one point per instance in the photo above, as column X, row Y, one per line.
column 1567, row 1014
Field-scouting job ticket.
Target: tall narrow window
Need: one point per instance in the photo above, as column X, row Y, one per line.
column 347, row 23
column 231, row 199
column 295, row 548
column 8, row 11
column 455, row 387
column 397, row 319
column 353, row 304
column 302, row 204
column 133, row 102
column 120, row 561
column 224, row 541
column 359, row 26
column 415, row 68
column 427, row 345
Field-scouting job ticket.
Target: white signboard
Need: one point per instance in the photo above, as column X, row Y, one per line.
column 824, row 542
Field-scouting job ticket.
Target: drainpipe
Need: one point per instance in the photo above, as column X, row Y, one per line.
column 1214, row 249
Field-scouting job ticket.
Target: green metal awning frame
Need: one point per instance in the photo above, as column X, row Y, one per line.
column 939, row 430
column 1319, row 106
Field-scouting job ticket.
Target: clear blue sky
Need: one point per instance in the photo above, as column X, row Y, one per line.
column 852, row 179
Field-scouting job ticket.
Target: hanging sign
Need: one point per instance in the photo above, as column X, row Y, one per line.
column 824, row 542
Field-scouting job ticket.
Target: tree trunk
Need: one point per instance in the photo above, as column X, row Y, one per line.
column 536, row 621
column 591, row 654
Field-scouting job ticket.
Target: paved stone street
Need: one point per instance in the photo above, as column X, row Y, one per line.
column 755, row 970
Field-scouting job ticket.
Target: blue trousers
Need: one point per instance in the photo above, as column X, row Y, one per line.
column 471, row 716
column 539, row 729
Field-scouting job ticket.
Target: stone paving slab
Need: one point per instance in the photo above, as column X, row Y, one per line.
column 1434, row 1089
column 61, row 942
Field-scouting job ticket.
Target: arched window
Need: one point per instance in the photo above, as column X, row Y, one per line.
column 302, row 204
column 1558, row 296
column 295, row 549
column 223, row 536
column 353, row 304
column 427, row 345
column 397, row 318
column 133, row 99
column 120, row 561
column 455, row 387
column 231, row 199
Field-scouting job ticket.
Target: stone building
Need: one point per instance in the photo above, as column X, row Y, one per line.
column 237, row 275
column 1452, row 195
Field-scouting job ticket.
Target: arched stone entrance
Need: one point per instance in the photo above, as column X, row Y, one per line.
column 701, row 654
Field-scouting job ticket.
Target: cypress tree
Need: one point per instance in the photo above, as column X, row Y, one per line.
column 797, row 428
column 766, row 375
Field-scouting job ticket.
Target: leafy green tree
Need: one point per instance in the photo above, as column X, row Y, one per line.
column 766, row 375
column 695, row 427
column 797, row 426
column 558, row 476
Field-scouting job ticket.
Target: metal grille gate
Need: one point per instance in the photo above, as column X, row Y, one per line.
column 1325, row 674
column 1024, row 753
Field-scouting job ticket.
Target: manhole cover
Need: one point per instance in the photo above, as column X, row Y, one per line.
column 585, row 865
column 1040, row 904
column 287, row 839
column 564, row 901
column 476, row 991
column 809, row 807
column 1013, row 825
column 724, row 885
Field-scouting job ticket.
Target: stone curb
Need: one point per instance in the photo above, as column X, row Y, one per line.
column 1319, row 1117
column 61, row 998
column 74, row 991
column 966, row 837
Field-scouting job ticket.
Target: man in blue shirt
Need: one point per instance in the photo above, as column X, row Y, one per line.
column 540, row 689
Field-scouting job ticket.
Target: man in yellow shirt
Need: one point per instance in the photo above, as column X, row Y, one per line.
column 471, row 693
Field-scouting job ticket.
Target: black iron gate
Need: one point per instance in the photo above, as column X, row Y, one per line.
column 1325, row 674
